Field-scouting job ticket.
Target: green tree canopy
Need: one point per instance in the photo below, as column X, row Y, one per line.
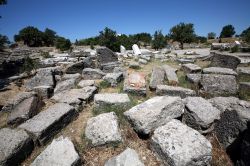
column 246, row 35
column 3, row 40
column 49, row 37
column 211, row 35
column 3, row 2
column 31, row 36
column 63, row 44
column 158, row 41
column 227, row 31
column 108, row 38
column 183, row 33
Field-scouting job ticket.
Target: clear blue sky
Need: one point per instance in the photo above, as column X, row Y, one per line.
column 77, row 19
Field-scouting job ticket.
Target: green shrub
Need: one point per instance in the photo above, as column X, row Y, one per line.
column 63, row 44
column 235, row 49
column 29, row 65
column 104, row 84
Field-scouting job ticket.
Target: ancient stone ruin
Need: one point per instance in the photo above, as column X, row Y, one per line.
column 133, row 108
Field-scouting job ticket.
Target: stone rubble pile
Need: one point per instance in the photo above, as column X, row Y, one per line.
column 175, row 119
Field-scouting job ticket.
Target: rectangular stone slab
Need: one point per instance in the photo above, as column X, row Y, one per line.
column 179, row 145
column 157, row 78
column 15, row 146
column 47, row 123
column 135, row 83
column 60, row 152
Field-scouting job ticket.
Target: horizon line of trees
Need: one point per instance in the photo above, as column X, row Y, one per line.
column 182, row 33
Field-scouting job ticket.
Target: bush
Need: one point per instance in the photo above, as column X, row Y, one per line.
column 63, row 44
column 235, row 49
column 3, row 41
column 29, row 65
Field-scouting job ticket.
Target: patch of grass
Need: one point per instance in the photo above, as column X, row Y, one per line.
column 182, row 80
column 117, row 109
column 243, row 78
column 29, row 65
column 104, row 84
column 3, row 119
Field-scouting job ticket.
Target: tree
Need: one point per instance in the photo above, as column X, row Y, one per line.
column 3, row 2
column 3, row 40
column 183, row 33
column 63, row 44
column 31, row 36
column 108, row 38
column 141, row 37
column 227, row 31
column 246, row 35
column 211, row 35
column 49, row 37
column 158, row 41
column 200, row 39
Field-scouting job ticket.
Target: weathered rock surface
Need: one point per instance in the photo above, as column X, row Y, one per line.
column 136, row 49
column 200, row 114
column 103, row 129
column 224, row 60
column 43, row 77
column 113, row 78
column 49, row 122
column 75, row 96
column 44, row 92
column 22, row 107
column 15, row 146
column 85, row 83
column 92, row 74
column 79, row 66
column 157, row 77
column 171, row 75
column 134, row 65
column 60, row 152
column 229, row 127
column 154, row 112
column 219, row 70
column 76, row 77
column 191, row 68
column 105, row 55
column 109, row 67
column 65, row 85
column 104, row 100
column 243, row 71
column 142, row 61
column 135, row 83
column 163, row 90
column 194, row 78
column 224, row 103
column 216, row 85
column 178, row 144
column 128, row 157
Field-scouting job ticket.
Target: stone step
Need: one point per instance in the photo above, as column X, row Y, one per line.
column 49, row 122
column 163, row 90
